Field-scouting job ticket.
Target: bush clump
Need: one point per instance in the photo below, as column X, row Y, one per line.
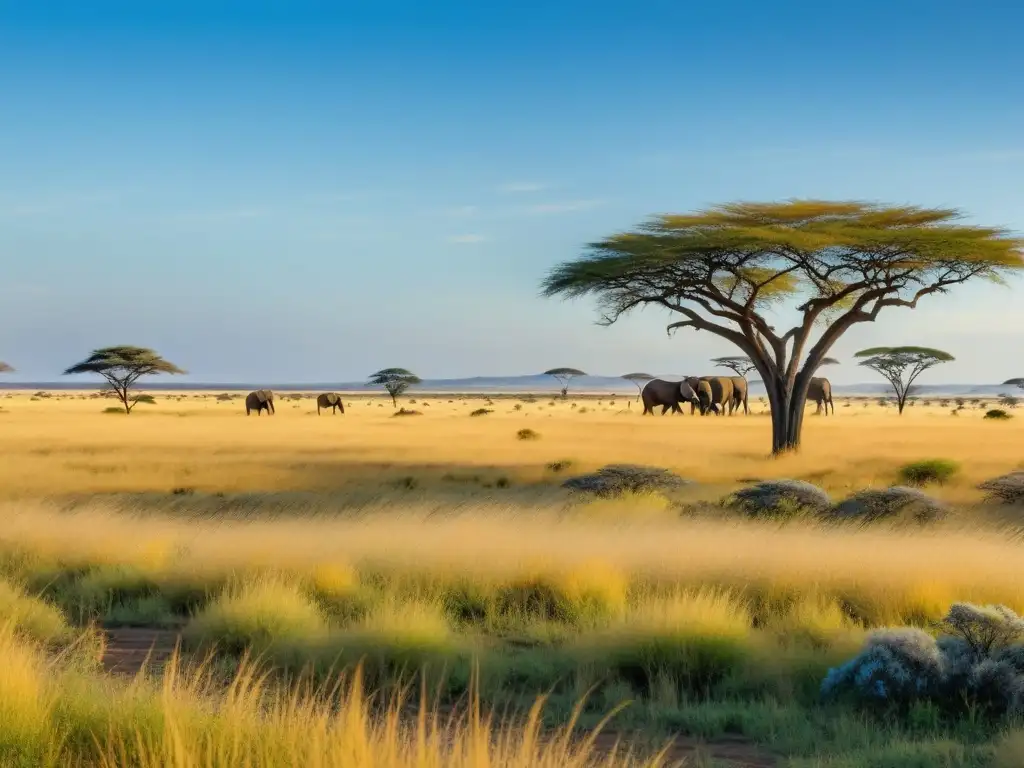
column 527, row 434
column 616, row 479
column 1008, row 489
column 998, row 414
column 481, row 412
column 870, row 505
column 977, row 664
column 779, row 497
column 928, row 471
column 407, row 412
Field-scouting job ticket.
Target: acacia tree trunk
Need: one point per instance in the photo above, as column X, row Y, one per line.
column 787, row 407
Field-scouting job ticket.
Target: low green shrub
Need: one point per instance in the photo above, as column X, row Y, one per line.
column 257, row 614
column 928, row 471
column 31, row 617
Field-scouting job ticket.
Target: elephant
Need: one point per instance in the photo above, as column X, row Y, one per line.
column 258, row 401
column 705, row 397
column 667, row 394
column 330, row 400
column 716, row 397
column 739, row 394
column 722, row 393
column 820, row 391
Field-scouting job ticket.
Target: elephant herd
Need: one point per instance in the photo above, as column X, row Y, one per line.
column 263, row 400
column 719, row 394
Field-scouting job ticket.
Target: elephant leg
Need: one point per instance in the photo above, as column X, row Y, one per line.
column 318, row 409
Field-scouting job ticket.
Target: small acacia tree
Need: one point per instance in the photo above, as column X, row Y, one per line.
column 639, row 379
column 738, row 364
column 122, row 367
column 900, row 366
column 395, row 381
column 726, row 269
column 563, row 376
column 5, row 368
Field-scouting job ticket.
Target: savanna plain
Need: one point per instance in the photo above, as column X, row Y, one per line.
column 373, row 589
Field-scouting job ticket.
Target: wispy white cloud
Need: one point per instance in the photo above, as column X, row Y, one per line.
column 523, row 186
column 566, row 206
column 466, row 239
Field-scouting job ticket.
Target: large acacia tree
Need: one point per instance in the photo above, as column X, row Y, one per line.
column 735, row 270
column 122, row 367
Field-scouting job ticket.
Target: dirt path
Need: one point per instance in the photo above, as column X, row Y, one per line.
column 127, row 649
column 735, row 752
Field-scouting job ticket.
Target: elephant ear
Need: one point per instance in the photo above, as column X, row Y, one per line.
column 261, row 395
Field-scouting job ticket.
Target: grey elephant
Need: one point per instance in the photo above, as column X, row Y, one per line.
column 667, row 394
column 820, row 391
column 259, row 400
column 739, row 394
column 330, row 400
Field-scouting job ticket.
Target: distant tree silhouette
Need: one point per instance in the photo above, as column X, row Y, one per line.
column 122, row 367
column 639, row 379
column 395, row 381
column 901, row 365
column 5, row 368
column 1014, row 383
column 563, row 376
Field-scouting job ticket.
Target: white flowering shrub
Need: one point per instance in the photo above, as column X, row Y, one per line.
column 978, row 663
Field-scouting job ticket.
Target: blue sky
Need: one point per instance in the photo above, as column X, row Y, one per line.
column 312, row 191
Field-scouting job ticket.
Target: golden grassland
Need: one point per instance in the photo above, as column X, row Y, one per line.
column 442, row 538
column 64, row 444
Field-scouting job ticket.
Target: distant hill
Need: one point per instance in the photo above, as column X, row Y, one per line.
column 498, row 384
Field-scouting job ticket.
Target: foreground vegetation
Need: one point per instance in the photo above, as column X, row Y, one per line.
column 704, row 622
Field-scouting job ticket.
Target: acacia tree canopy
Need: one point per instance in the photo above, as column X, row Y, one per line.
column 639, row 379
column 727, row 269
column 563, row 376
column 122, row 366
column 5, row 368
column 900, row 366
column 1014, row 383
column 395, row 381
column 738, row 364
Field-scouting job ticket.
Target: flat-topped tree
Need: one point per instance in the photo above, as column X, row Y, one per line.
column 639, row 379
column 725, row 270
column 741, row 365
column 1019, row 383
column 395, row 381
column 900, row 366
column 563, row 376
column 5, row 368
column 122, row 367
column 738, row 364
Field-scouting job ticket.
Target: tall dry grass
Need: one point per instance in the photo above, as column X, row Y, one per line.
column 886, row 575
column 56, row 714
